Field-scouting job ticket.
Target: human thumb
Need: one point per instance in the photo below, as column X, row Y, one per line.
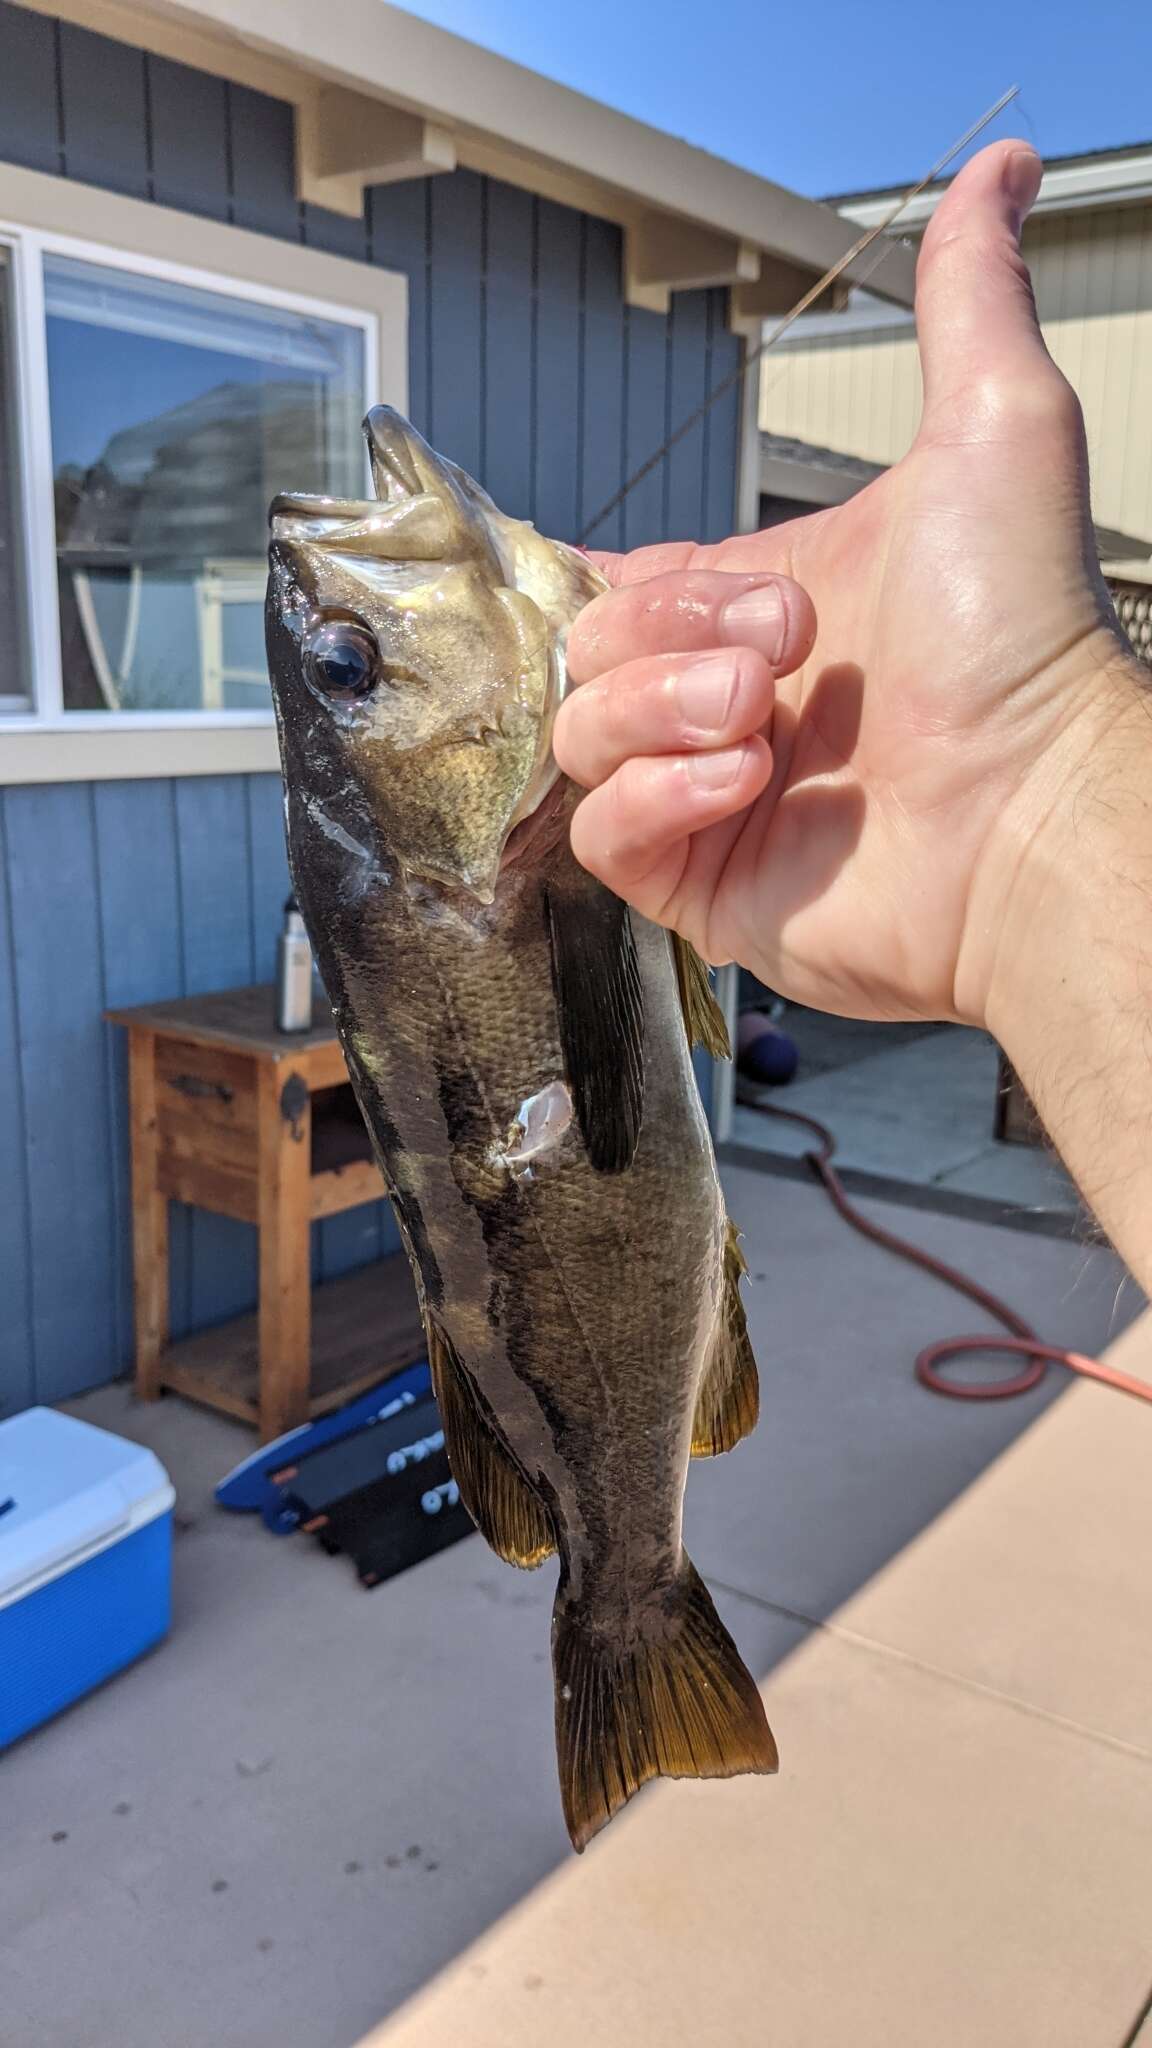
column 975, row 312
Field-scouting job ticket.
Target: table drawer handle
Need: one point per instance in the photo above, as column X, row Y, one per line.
column 294, row 1100
column 194, row 1084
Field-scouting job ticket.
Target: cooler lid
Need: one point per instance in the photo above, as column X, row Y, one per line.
column 68, row 1489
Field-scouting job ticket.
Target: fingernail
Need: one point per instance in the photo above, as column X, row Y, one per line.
column 758, row 618
column 705, row 690
column 715, row 771
column 1022, row 173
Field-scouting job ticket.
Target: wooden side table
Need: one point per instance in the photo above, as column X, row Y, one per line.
column 232, row 1115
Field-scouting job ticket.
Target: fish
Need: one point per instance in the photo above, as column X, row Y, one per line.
column 519, row 1042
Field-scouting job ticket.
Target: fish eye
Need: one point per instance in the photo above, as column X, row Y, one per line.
column 341, row 660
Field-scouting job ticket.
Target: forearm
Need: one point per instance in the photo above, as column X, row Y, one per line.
column 1070, row 994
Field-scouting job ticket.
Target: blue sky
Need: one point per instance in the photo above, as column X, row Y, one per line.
column 838, row 94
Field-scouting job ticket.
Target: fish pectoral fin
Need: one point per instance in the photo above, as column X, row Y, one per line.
column 493, row 1489
column 673, row 1701
column 600, row 1005
column 728, row 1402
column 703, row 1017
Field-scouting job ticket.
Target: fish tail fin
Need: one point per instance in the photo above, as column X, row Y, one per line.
column 675, row 1702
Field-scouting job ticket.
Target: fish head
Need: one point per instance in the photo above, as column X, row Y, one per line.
column 416, row 655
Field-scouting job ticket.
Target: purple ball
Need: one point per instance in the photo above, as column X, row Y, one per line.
column 764, row 1054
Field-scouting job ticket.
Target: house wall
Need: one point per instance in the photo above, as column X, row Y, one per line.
column 1092, row 270
column 527, row 367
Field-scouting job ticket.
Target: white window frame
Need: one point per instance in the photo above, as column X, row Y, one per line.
column 46, row 741
column 27, row 250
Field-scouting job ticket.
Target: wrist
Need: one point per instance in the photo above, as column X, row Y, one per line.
column 1069, row 986
column 1050, row 880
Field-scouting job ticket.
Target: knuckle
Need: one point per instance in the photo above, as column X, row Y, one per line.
column 659, row 558
column 1042, row 402
column 948, row 241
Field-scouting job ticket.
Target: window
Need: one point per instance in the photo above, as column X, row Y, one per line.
column 176, row 413
column 155, row 411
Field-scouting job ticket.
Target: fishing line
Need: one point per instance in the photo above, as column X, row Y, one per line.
column 751, row 356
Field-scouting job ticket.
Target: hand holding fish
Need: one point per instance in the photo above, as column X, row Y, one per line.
column 854, row 834
column 930, row 798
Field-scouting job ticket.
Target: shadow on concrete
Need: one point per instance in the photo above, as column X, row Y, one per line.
column 311, row 1798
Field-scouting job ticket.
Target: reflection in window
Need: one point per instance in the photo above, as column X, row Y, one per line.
column 13, row 665
column 177, row 414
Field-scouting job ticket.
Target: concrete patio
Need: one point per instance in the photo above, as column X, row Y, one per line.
column 911, row 1110
column 319, row 1816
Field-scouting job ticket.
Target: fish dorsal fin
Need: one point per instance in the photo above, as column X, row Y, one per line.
column 600, row 1005
column 728, row 1403
column 493, row 1489
column 703, row 1017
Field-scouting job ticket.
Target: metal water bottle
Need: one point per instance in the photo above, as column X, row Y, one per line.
column 293, row 973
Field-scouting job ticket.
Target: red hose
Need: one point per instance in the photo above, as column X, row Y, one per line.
column 1020, row 1342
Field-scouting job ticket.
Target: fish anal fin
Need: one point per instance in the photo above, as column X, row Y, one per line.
column 493, row 1489
column 600, row 1007
column 703, row 1017
column 674, row 1701
column 728, row 1401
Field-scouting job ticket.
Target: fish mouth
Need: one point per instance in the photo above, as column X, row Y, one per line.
column 395, row 450
column 300, row 515
column 420, row 512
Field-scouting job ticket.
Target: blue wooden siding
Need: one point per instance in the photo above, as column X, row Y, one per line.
column 526, row 366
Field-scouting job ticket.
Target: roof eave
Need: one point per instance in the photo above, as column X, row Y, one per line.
column 535, row 131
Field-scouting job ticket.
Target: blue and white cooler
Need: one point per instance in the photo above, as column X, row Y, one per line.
column 85, row 1561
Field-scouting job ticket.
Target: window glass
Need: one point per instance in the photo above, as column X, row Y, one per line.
column 177, row 414
column 13, row 667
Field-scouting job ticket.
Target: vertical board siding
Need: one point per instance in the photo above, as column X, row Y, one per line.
column 525, row 366
column 213, row 1257
column 684, row 478
column 721, row 455
column 455, row 316
column 399, row 240
column 190, row 121
column 336, row 233
column 647, row 514
column 261, row 162
column 139, row 901
column 106, row 119
column 509, row 324
column 58, row 965
column 602, row 391
column 556, row 384
column 29, row 106
column 17, row 1378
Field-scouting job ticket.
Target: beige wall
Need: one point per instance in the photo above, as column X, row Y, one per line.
column 860, row 393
